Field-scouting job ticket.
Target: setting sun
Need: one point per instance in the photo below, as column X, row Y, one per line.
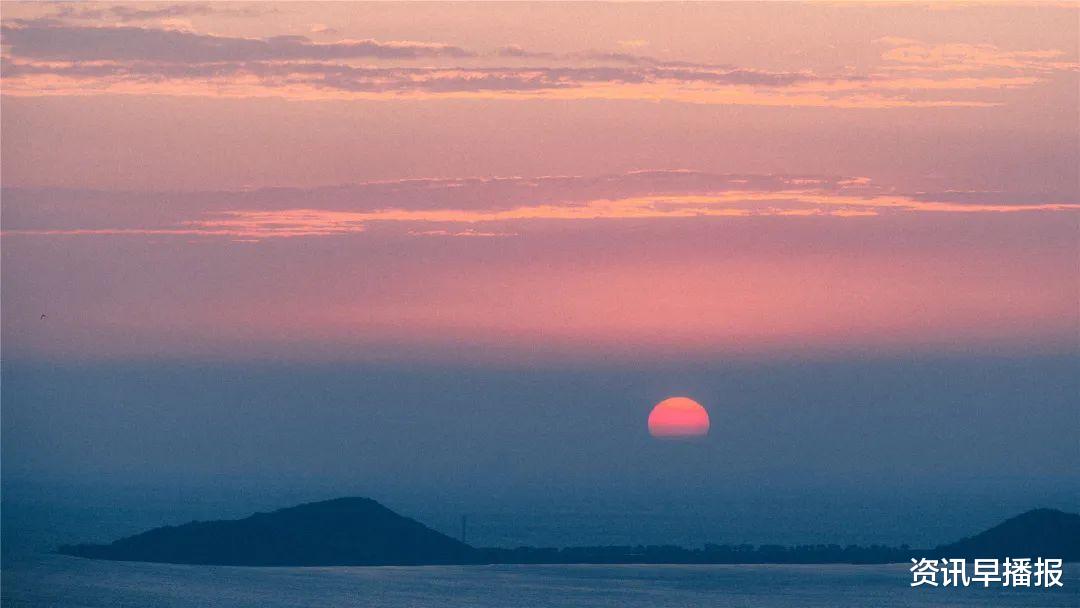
column 677, row 417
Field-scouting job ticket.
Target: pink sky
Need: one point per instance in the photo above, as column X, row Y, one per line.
column 527, row 182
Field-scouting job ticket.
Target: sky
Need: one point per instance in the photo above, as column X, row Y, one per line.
column 340, row 240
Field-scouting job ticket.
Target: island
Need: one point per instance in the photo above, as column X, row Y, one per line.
column 1041, row 532
column 340, row 532
column 362, row 532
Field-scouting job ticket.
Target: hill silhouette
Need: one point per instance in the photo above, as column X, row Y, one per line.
column 362, row 532
column 340, row 532
column 1037, row 533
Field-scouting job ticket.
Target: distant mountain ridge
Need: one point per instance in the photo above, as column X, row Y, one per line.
column 1037, row 533
column 362, row 532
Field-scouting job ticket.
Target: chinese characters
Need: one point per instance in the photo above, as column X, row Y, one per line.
column 1010, row 572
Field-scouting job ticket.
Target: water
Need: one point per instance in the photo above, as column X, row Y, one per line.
column 36, row 520
column 50, row 580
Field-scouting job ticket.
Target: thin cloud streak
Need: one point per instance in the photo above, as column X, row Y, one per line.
column 47, row 41
column 910, row 54
column 648, row 195
column 735, row 204
column 79, row 11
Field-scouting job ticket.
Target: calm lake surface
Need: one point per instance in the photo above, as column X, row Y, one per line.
column 50, row 580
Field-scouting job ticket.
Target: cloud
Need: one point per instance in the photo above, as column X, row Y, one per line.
column 514, row 50
column 482, row 207
column 734, row 204
column 150, row 11
column 469, row 232
column 49, row 41
column 346, row 78
column 914, row 55
column 44, row 57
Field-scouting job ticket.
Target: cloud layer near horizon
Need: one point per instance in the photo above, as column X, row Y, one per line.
column 480, row 206
column 48, row 56
column 685, row 288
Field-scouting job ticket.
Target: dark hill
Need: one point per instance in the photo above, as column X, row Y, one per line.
column 361, row 532
column 341, row 532
column 1037, row 533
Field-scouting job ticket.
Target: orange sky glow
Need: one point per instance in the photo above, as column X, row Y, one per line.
column 519, row 182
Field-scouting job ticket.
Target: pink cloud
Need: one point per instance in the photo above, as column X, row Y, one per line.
column 44, row 57
column 468, row 207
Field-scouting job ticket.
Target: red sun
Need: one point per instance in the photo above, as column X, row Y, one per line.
column 678, row 417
